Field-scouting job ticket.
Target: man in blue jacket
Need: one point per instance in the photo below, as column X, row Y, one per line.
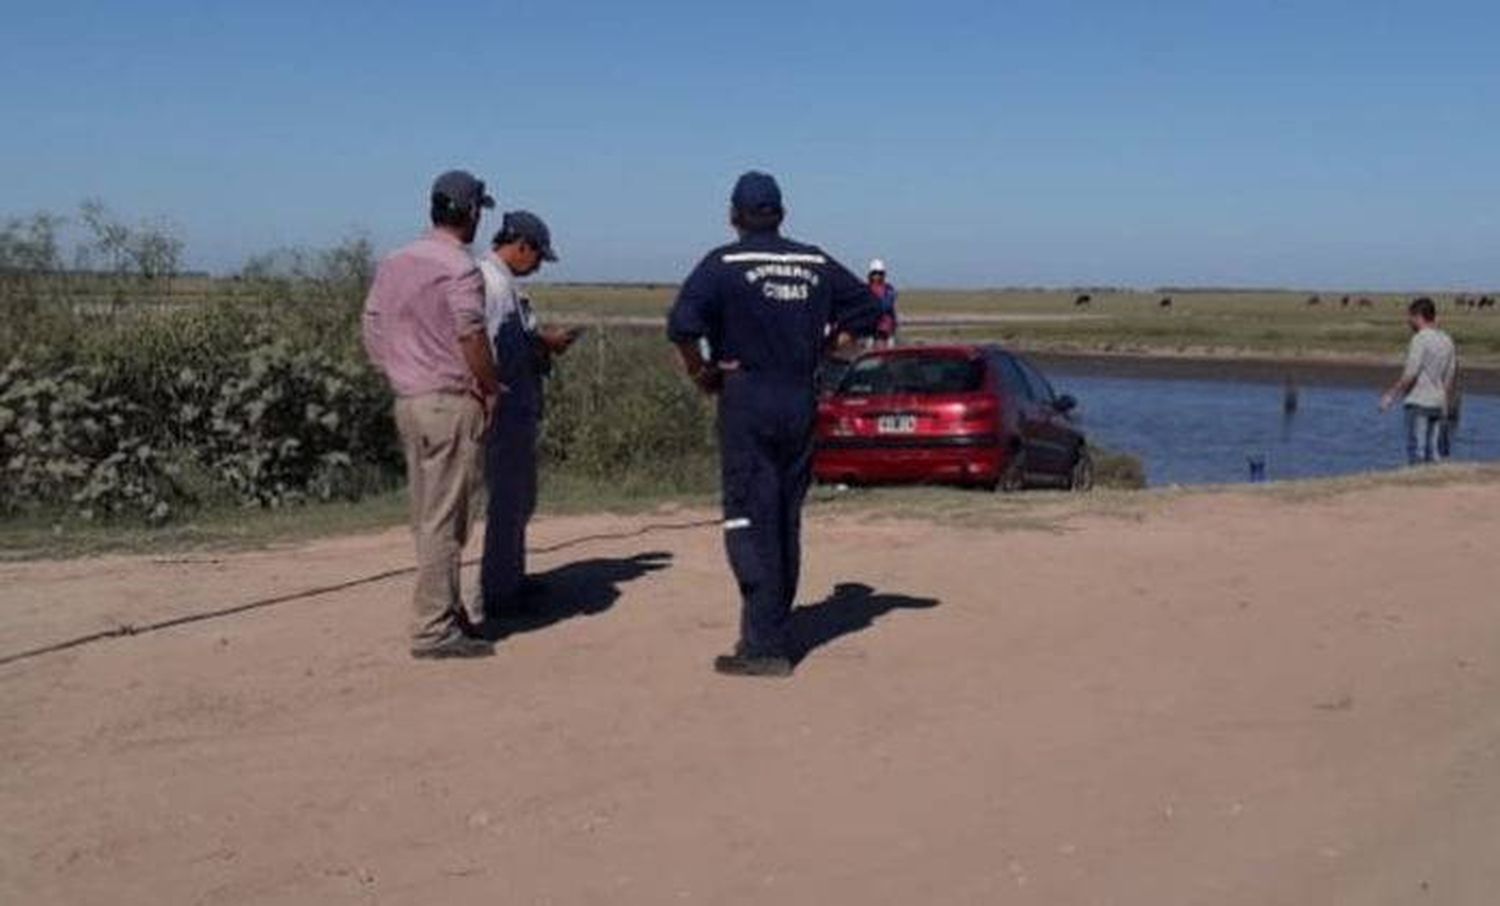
column 752, row 322
column 524, row 350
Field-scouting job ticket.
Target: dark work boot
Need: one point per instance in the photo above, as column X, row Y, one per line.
column 738, row 664
column 528, row 603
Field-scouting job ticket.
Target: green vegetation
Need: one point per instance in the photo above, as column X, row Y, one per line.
column 149, row 412
column 134, row 396
column 238, row 405
column 1118, row 471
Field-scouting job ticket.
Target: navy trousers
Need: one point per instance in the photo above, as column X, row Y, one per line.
column 510, row 473
column 765, row 442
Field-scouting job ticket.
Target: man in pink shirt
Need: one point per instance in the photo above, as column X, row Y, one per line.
column 424, row 328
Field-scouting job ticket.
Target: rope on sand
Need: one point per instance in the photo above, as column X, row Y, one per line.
column 132, row 629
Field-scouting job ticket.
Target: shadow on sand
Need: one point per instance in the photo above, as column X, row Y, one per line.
column 853, row 607
column 581, row 589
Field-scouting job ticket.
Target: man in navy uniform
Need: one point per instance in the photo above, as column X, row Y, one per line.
column 752, row 322
column 524, row 350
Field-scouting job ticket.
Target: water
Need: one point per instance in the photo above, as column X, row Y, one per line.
column 1207, row 432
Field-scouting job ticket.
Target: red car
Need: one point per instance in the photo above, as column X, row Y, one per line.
column 955, row 414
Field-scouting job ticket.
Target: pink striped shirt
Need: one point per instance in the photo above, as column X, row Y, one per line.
column 424, row 298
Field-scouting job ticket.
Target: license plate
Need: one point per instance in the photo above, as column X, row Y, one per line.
column 896, row 424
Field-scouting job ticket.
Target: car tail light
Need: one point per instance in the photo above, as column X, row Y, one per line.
column 836, row 420
column 980, row 409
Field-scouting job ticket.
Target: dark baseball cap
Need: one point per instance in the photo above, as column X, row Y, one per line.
column 462, row 189
column 526, row 225
column 756, row 191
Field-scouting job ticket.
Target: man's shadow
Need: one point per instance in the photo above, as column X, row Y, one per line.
column 581, row 589
column 853, row 607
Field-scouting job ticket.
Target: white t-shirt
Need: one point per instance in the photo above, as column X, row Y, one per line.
column 1432, row 360
column 502, row 297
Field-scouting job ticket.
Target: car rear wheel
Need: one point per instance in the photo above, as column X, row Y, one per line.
column 1082, row 477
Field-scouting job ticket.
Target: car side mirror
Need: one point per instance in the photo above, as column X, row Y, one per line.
column 1065, row 404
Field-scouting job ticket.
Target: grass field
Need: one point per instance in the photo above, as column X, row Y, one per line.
column 58, row 535
column 1206, row 323
column 1200, row 322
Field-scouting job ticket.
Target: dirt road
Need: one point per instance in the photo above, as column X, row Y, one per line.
column 1233, row 699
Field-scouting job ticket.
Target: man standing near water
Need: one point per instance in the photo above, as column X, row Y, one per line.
column 751, row 323
column 1427, row 385
column 423, row 327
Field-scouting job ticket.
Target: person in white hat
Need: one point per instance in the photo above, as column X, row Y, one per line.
column 885, row 328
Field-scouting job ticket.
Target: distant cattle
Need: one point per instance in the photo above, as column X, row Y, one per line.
column 1084, row 300
column 1343, row 302
column 1166, row 302
column 1314, row 300
column 1474, row 302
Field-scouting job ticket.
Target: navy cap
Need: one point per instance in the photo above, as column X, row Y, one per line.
column 462, row 189
column 756, row 191
column 526, row 225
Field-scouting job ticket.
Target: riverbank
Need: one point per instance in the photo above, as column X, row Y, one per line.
column 1374, row 372
column 1229, row 696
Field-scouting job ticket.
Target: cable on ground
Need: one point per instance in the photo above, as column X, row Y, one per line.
column 133, row 629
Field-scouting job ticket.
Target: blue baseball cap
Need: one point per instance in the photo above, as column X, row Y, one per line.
column 526, row 225
column 756, row 191
column 460, row 188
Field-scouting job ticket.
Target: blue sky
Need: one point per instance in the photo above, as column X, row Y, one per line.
column 1316, row 144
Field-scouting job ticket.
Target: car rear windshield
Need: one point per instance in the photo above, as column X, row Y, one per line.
column 883, row 375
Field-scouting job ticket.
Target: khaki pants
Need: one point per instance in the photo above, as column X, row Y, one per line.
column 443, row 437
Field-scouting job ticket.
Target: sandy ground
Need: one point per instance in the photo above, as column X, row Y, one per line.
column 1232, row 700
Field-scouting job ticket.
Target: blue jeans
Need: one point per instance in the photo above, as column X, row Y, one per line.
column 1425, row 426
